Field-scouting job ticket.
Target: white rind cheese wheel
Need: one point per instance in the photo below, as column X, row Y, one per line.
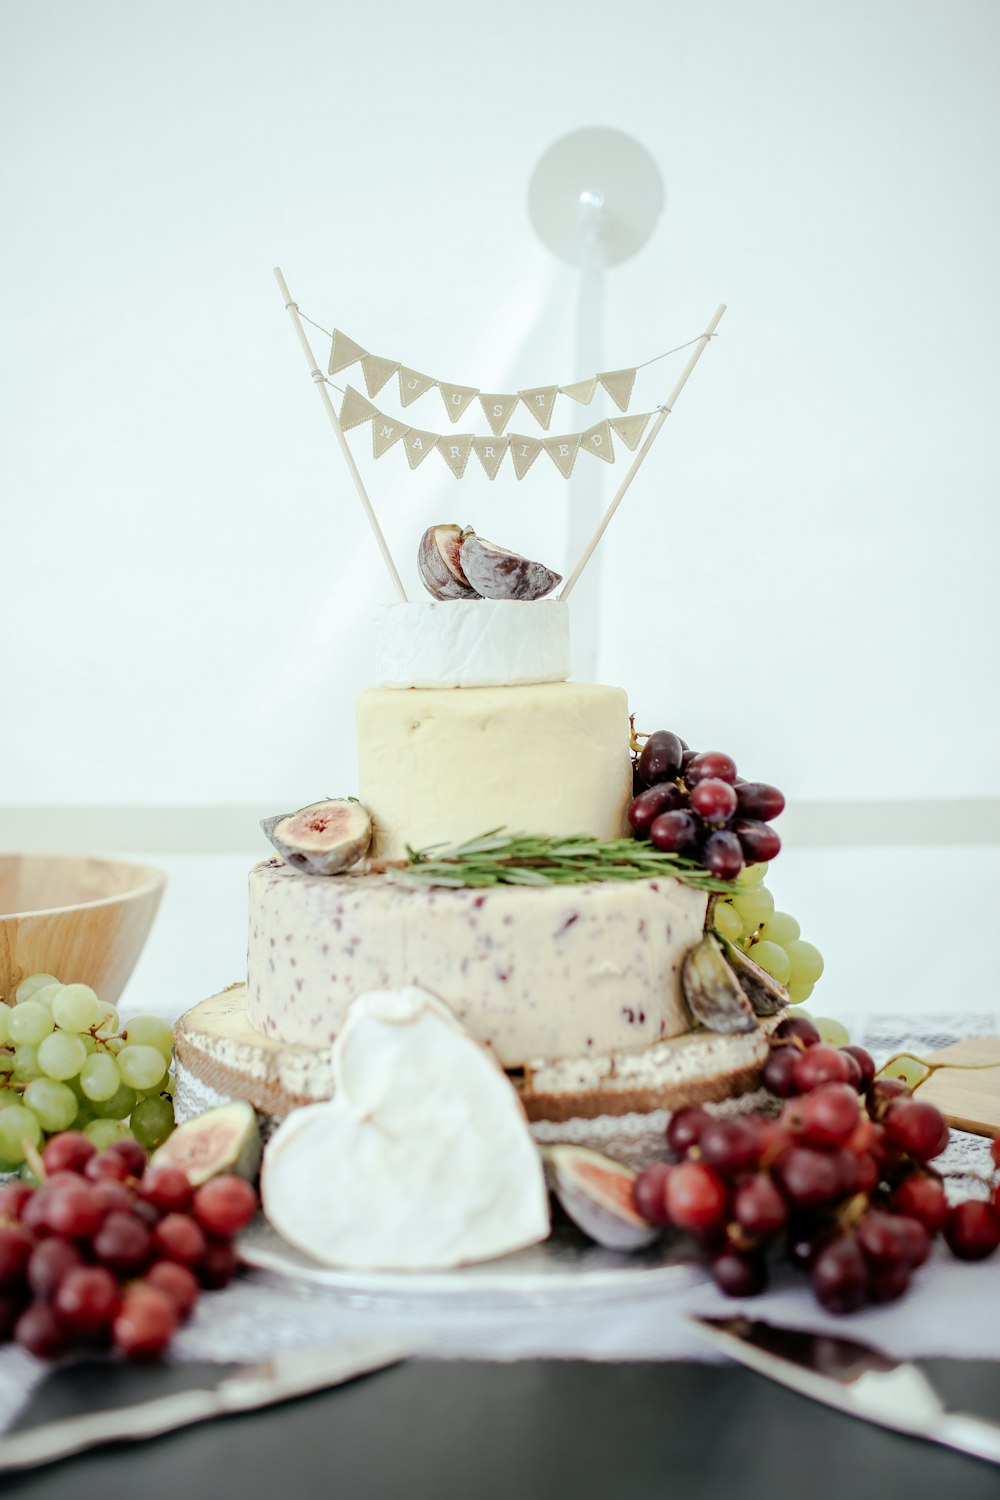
column 439, row 767
column 472, row 643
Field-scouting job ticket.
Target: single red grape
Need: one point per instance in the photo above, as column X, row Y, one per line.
column 51, row 1260
column 224, row 1205
column 916, row 1127
column 674, row 832
column 923, row 1198
column 829, row 1114
column 713, row 800
column 69, row 1151
column 74, row 1212
column 40, row 1332
column 684, row 1128
column 972, row 1229
column 820, row 1064
column 178, row 1237
column 16, row 1245
column 218, row 1265
column 839, row 1275
column 864, row 1060
column 888, row 1281
column 134, row 1155
column 647, row 807
column 696, row 1196
column 758, row 840
column 712, row 764
column 758, row 1207
column 758, row 800
column 778, row 1072
column 721, row 854
column 13, row 1197
column 146, row 1322
column 178, row 1282
column 660, row 758
column 107, row 1163
column 167, row 1188
column 648, row 1193
column 799, row 1027
column 730, row 1146
column 123, row 1243
column 809, row 1178
column 739, row 1275
column 87, row 1299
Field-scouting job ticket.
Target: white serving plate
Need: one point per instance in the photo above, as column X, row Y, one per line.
column 566, row 1269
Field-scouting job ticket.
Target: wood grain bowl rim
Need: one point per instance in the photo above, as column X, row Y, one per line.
column 151, row 882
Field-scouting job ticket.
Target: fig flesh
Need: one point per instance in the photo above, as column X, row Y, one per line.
column 323, row 838
column 596, row 1192
column 224, row 1139
column 496, row 573
column 439, row 565
column 763, row 991
column 713, row 992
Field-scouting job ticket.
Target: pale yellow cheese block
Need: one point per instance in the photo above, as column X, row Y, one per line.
column 443, row 765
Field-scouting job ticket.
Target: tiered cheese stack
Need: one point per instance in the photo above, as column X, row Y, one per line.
column 473, row 726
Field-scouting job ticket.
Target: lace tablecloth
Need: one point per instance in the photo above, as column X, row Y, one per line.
column 951, row 1309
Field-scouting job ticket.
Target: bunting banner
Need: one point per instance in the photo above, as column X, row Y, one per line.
column 498, row 407
column 455, row 448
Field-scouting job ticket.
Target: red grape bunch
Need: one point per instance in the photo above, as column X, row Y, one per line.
column 694, row 804
column 842, row 1180
column 107, row 1253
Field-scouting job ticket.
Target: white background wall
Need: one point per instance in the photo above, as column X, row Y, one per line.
column 804, row 572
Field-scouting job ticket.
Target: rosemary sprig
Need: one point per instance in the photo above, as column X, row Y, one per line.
column 499, row 858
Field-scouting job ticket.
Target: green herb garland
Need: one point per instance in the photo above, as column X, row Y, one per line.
column 498, row 858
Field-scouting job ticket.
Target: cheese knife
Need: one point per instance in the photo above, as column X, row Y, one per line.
column 287, row 1374
column 854, row 1378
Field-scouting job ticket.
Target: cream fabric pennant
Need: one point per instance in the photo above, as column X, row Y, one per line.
column 541, row 402
column 455, row 449
column 377, row 371
column 418, row 444
column 597, row 440
column 386, row 432
column 456, row 398
column 412, row 384
column 563, row 451
column 490, row 452
column 355, row 409
column 343, row 352
column 631, row 429
column 499, row 409
column 524, row 451
column 618, row 384
column 582, row 391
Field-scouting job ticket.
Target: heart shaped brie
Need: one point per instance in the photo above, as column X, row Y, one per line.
column 423, row 1158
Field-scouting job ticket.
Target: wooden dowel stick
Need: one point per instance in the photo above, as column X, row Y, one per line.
column 696, row 354
column 321, row 386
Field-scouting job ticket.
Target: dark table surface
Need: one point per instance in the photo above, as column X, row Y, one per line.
column 527, row 1430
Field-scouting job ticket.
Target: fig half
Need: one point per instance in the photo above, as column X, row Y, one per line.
column 713, row 992
column 439, row 566
column 496, row 573
column 323, row 838
column 596, row 1192
column 224, row 1139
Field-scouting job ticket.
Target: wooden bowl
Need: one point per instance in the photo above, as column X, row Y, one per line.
column 84, row 920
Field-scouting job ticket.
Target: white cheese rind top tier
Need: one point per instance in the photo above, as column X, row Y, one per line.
column 442, row 767
column 472, row 643
column 543, row 972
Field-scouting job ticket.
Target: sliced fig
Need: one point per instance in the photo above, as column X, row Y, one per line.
column 496, row 573
column 439, row 566
column 224, row 1139
column 712, row 990
column 596, row 1192
column 323, row 838
column 763, row 991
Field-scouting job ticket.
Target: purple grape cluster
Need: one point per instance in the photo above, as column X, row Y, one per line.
column 693, row 803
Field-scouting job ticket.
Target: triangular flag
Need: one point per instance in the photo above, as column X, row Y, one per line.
column 455, row 451
column 418, row 445
column 618, row 384
column 597, row 440
column 377, row 371
column 356, row 409
column 563, row 451
column 412, row 384
column 540, row 401
column 456, row 398
column 582, row 391
column 490, row 452
column 524, row 451
column 631, row 429
column 498, row 410
column 385, row 432
column 343, row 352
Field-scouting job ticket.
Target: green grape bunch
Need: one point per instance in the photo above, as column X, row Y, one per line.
column 771, row 938
column 68, row 1063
